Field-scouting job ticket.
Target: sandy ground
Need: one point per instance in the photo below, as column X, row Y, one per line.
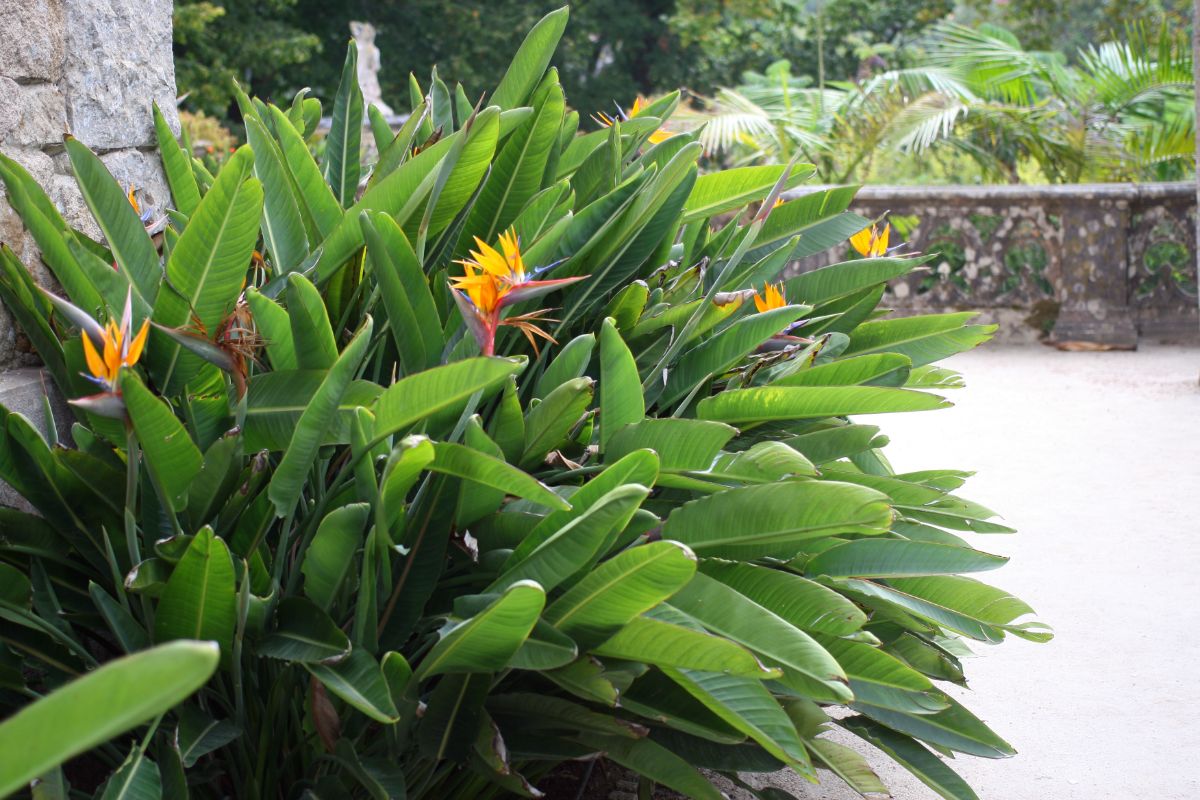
column 1095, row 459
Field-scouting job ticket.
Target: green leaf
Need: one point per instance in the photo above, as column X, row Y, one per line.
column 681, row 444
column 344, row 141
column 199, row 601
column 288, row 480
column 171, row 457
column 888, row 369
column 805, row 604
column 177, row 166
column 330, row 555
column 464, row 462
column 927, row 767
column 276, row 400
column 772, row 403
column 425, row 394
column 747, row 706
column 412, row 315
column 531, row 60
column 99, row 706
column 923, row 339
column 318, row 205
column 544, row 649
column 207, row 267
column 727, row 189
column 129, row 632
column 120, row 224
column 639, row 467
column 198, row 734
column 774, row 519
column 282, row 226
column 486, row 641
column 137, row 779
column 894, row 558
column 656, row 762
column 312, row 335
column 726, row 612
column 571, row 362
column 578, row 543
column 358, row 680
column 848, row 765
column 304, row 632
column 621, row 401
column 450, row 725
column 275, row 326
column 955, row 728
column 663, row 644
column 619, row 590
column 839, row 280
column 549, row 424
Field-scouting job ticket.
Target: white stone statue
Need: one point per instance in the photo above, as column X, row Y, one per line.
column 368, row 66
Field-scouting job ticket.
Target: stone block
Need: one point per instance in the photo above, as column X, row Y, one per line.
column 119, row 61
column 24, row 391
column 34, row 115
column 143, row 171
column 33, row 37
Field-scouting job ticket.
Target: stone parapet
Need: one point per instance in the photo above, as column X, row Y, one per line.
column 91, row 68
column 1105, row 263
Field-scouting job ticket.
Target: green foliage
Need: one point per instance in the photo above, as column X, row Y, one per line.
column 435, row 552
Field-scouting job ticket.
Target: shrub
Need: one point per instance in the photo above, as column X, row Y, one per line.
column 439, row 551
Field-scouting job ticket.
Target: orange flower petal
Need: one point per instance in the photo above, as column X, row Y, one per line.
column 139, row 342
column 94, row 362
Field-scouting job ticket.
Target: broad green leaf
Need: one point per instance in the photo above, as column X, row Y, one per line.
column 318, row 206
column 926, row 766
column 774, row 519
column 530, row 60
column 330, row 555
column 199, row 601
column 274, row 325
column 207, row 268
column 288, row 480
column 923, row 339
column 345, row 132
column 664, row 644
column 619, row 590
column 450, row 725
column 772, row 403
column 129, row 632
column 412, row 316
column 571, row 362
column 136, row 779
column 122, row 228
column 425, row 394
column 171, row 457
column 577, row 543
column 639, row 467
column 486, row 641
column 848, row 765
column 277, row 399
column 887, row 369
column 357, row 679
column 955, row 728
column 199, row 734
column 681, row 444
column 893, row 558
column 838, row 280
column 99, row 706
column 621, row 401
column 648, row 758
column 549, row 424
column 727, row 189
column 282, row 226
column 463, row 462
column 312, row 335
column 728, row 613
column 745, row 704
column 304, row 632
column 805, row 604
column 177, row 166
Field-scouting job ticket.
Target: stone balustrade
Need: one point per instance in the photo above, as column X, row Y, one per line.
column 1103, row 263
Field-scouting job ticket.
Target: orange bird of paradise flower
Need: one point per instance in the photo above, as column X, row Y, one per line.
column 496, row 279
column 870, row 243
column 772, row 297
column 660, row 135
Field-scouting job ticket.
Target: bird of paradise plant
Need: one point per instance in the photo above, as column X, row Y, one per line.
column 660, row 135
column 871, row 242
column 496, row 279
column 772, row 297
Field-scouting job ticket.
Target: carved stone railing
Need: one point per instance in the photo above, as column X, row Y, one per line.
column 1103, row 263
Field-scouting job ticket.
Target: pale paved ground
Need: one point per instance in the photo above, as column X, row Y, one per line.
column 1095, row 458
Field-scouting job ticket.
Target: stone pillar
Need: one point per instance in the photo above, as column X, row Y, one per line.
column 91, row 68
column 1094, row 288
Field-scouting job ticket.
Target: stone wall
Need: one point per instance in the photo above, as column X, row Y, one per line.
column 91, row 68
column 1102, row 263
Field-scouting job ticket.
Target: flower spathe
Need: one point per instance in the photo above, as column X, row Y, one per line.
column 772, row 297
column 870, row 242
column 494, row 279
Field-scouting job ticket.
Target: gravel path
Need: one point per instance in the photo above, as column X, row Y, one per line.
column 1095, row 458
